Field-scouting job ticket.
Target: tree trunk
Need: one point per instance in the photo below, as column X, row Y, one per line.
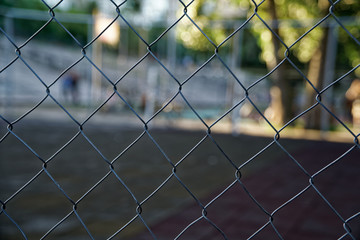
column 316, row 77
column 282, row 93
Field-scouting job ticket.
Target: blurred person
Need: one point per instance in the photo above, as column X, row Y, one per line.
column 188, row 61
column 353, row 100
column 70, row 87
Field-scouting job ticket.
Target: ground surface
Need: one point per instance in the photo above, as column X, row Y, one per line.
column 272, row 178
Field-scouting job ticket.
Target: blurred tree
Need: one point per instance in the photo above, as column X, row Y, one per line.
column 28, row 4
column 25, row 28
column 316, row 72
column 310, row 50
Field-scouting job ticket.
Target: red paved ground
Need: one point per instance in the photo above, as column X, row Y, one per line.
column 306, row 217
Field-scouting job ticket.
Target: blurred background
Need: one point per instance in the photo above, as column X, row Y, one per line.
column 87, row 83
column 322, row 56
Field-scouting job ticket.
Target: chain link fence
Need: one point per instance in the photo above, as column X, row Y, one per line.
column 150, row 174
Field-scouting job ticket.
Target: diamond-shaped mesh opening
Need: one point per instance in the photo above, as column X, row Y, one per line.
column 192, row 37
column 78, row 153
column 9, row 49
column 27, row 92
column 219, row 170
column 268, row 192
column 70, row 226
column 147, row 88
column 340, row 194
column 209, row 102
column 53, row 206
column 112, row 202
column 207, row 233
column 8, row 227
column 240, row 149
column 176, row 144
column 48, row 58
column 314, row 159
column 26, row 32
column 151, row 159
column 57, row 133
column 352, row 223
column 120, row 134
column 322, row 224
column 234, row 225
column 16, row 158
column 165, row 212
column 165, row 48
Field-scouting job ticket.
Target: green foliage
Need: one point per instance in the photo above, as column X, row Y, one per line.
column 295, row 18
column 348, row 49
column 52, row 32
column 27, row 4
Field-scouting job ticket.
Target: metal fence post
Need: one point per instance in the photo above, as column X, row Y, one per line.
column 330, row 65
column 8, row 75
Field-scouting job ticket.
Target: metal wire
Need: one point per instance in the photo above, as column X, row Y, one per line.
column 208, row 135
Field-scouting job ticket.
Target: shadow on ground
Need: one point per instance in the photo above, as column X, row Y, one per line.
column 191, row 167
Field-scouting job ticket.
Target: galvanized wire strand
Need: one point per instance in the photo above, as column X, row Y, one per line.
column 65, row 71
column 82, row 223
column 138, row 209
column 259, row 230
column 23, row 187
column 52, row 15
column 232, row 163
column 18, row 53
column 204, row 213
column 112, row 171
column 238, row 176
column 167, row 103
column 132, row 28
column 291, row 199
column 121, row 181
column 328, row 203
column 123, row 227
column 352, row 217
column 312, row 183
column 56, row 225
column 173, row 174
column 163, row 66
column 331, row 11
column 187, row 227
column 232, row 73
column 12, row 220
column 253, row 198
column 44, row 169
column 198, row 69
column 34, row 35
column 275, row 229
column 9, row 125
column 202, row 32
column 333, row 115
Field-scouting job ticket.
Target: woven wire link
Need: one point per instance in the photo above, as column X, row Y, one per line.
column 208, row 135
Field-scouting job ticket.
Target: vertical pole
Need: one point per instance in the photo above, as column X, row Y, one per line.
column 124, row 43
column 171, row 44
column 233, row 96
column 89, row 53
column 330, row 64
column 10, row 81
column 96, row 75
column 152, row 76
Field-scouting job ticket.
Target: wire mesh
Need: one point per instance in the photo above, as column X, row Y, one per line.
column 205, row 222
